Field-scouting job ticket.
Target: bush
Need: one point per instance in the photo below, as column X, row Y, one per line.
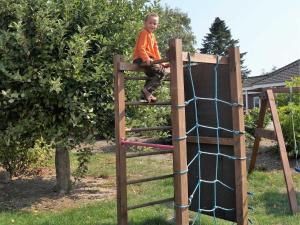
column 17, row 157
column 251, row 122
column 288, row 115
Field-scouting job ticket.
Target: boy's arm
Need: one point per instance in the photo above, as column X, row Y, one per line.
column 141, row 46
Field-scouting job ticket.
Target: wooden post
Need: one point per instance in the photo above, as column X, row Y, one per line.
column 239, row 140
column 283, row 154
column 179, row 133
column 260, row 124
column 120, row 135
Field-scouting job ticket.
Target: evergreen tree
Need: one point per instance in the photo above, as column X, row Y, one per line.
column 218, row 41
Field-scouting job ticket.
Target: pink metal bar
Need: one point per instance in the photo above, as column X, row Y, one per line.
column 135, row 143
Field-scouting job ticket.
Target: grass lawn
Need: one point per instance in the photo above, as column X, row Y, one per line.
column 270, row 199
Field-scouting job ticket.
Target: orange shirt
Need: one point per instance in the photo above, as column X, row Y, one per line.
column 146, row 46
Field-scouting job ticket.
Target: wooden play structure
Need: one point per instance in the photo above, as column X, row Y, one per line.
column 232, row 172
column 268, row 100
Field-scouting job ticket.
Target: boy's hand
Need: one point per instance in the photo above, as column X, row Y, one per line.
column 149, row 61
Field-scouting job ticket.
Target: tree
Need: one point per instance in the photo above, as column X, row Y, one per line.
column 56, row 73
column 175, row 24
column 218, row 42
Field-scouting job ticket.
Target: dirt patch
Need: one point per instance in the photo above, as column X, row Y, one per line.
column 35, row 193
column 268, row 157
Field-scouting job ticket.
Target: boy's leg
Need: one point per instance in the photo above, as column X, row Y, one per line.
column 155, row 73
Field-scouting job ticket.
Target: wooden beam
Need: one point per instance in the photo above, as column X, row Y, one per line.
column 203, row 58
column 283, row 154
column 138, row 181
column 211, row 140
column 125, row 66
column 143, row 78
column 145, row 103
column 241, row 186
column 122, row 213
column 263, row 133
column 151, row 203
column 141, row 129
column 279, row 89
column 141, row 154
column 260, row 123
column 178, row 131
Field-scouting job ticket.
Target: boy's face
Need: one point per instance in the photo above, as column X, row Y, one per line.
column 151, row 23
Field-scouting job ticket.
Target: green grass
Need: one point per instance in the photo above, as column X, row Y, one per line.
column 270, row 199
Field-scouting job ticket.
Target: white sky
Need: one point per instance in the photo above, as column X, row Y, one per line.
column 268, row 30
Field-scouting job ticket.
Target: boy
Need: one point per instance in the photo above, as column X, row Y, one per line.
column 145, row 51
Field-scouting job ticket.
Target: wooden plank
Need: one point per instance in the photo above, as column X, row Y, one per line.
column 283, row 154
column 204, row 58
column 269, row 134
column 239, row 147
column 141, row 154
column 279, row 89
column 145, row 103
column 260, row 123
column 211, row 140
column 286, row 90
column 126, row 66
column 151, row 203
column 149, row 179
column 178, row 131
column 141, row 129
column 143, row 78
column 122, row 212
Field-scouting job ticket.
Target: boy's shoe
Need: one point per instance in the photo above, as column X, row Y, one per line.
column 146, row 95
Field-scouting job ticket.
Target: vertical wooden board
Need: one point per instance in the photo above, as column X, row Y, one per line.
column 204, row 83
column 241, row 186
column 122, row 213
column 283, row 154
column 178, row 131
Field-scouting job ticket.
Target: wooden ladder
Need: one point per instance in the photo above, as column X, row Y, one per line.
column 178, row 130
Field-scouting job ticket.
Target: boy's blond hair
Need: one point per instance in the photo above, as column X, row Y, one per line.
column 151, row 14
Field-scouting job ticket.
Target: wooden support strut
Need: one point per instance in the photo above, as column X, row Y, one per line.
column 122, row 210
column 179, row 131
column 277, row 134
column 239, row 140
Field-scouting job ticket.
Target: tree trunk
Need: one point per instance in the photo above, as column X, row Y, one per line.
column 63, row 174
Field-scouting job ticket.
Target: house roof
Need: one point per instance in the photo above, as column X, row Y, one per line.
column 278, row 76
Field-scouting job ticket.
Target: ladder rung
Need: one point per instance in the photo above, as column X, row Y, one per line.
column 150, row 145
column 151, row 203
column 145, row 103
column 140, row 129
column 149, row 179
column 139, row 154
column 143, row 78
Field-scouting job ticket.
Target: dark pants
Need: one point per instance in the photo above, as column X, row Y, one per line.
column 155, row 74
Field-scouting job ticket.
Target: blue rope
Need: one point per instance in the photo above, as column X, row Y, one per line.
column 199, row 151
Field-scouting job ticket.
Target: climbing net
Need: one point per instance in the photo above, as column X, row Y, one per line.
column 201, row 152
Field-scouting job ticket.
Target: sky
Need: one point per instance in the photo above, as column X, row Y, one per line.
column 269, row 30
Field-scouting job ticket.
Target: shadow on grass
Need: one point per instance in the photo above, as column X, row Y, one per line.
column 277, row 203
column 22, row 193
column 152, row 221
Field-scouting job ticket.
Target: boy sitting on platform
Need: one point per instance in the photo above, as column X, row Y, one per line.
column 145, row 51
